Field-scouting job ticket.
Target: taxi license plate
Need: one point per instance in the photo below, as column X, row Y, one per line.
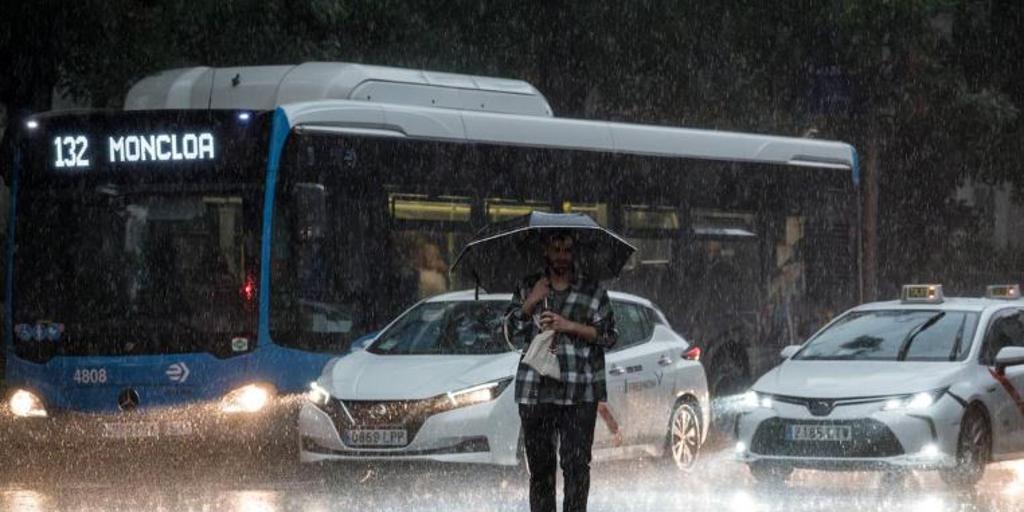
column 379, row 437
column 126, row 430
column 836, row 433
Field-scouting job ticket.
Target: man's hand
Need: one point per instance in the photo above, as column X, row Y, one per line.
column 540, row 291
column 557, row 323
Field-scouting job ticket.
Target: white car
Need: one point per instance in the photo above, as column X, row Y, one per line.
column 437, row 384
column 926, row 382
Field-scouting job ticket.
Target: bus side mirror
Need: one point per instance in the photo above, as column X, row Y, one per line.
column 790, row 351
column 310, row 200
column 1009, row 356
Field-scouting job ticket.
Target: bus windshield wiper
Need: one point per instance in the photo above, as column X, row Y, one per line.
column 905, row 345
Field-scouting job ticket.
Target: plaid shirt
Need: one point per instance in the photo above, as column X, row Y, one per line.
column 581, row 362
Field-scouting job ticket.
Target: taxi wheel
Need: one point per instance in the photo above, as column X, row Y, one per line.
column 768, row 473
column 684, row 437
column 973, row 450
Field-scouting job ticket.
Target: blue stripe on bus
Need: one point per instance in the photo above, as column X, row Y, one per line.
column 279, row 130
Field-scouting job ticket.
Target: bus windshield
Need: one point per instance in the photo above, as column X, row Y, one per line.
column 135, row 269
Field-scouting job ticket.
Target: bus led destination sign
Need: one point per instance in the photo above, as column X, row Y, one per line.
column 76, row 151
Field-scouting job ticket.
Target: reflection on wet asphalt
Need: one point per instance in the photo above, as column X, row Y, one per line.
column 171, row 481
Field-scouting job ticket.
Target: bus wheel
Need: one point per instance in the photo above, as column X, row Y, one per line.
column 973, row 450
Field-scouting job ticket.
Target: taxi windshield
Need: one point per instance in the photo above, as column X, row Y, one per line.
column 446, row 328
column 895, row 335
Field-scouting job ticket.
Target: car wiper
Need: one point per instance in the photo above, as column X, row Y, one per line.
column 905, row 344
column 959, row 339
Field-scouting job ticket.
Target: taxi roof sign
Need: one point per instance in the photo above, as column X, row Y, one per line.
column 922, row 293
column 1003, row 291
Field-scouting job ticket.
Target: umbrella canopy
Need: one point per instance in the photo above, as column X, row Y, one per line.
column 505, row 252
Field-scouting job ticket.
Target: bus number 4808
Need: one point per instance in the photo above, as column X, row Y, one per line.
column 90, row 375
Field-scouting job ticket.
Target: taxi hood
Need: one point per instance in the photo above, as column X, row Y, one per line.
column 366, row 376
column 852, row 379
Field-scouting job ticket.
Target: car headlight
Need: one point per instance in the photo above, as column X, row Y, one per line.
column 248, row 398
column 25, row 404
column 317, row 394
column 914, row 402
column 754, row 400
column 477, row 394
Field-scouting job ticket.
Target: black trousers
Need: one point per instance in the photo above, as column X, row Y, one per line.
column 570, row 428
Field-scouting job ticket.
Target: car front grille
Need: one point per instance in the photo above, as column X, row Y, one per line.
column 369, row 414
column 870, row 439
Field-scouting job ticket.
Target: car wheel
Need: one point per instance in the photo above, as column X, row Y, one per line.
column 684, row 437
column 768, row 473
column 973, row 450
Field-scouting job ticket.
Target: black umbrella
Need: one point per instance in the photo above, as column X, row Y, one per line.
column 504, row 252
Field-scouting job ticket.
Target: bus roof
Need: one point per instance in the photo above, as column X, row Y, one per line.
column 356, row 99
column 351, row 117
column 268, row 87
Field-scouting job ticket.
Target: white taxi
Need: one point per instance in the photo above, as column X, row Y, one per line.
column 926, row 382
column 437, row 384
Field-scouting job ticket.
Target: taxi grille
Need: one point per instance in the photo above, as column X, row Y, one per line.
column 870, row 438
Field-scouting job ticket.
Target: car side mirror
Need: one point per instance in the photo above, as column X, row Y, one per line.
column 1009, row 356
column 790, row 351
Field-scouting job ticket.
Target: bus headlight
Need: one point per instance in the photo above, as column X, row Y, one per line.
column 248, row 398
column 317, row 394
column 25, row 404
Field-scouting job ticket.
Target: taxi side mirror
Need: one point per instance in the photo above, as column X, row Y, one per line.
column 1009, row 356
column 790, row 351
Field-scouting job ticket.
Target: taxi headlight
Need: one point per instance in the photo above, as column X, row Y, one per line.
column 248, row 398
column 25, row 404
column 915, row 402
column 754, row 400
column 477, row 394
column 317, row 394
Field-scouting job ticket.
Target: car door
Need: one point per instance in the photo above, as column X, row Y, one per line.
column 1006, row 329
column 634, row 373
column 618, row 362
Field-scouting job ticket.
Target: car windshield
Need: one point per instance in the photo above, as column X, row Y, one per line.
column 891, row 335
column 446, row 328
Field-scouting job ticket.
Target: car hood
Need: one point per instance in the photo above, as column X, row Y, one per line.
column 850, row 379
column 366, row 376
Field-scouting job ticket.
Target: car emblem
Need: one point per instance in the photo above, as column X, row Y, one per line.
column 379, row 411
column 820, row 407
column 128, row 400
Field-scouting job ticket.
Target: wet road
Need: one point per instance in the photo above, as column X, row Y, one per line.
column 173, row 481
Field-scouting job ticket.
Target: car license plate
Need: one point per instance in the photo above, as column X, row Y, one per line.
column 837, row 433
column 136, row 430
column 379, row 437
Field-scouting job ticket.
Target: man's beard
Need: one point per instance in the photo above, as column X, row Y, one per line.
column 559, row 269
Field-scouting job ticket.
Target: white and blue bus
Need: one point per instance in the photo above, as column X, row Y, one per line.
column 187, row 263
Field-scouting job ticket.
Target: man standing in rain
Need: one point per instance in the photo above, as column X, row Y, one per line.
column 562, row 413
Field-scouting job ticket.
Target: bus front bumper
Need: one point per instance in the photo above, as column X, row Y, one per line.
column 192, row 425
